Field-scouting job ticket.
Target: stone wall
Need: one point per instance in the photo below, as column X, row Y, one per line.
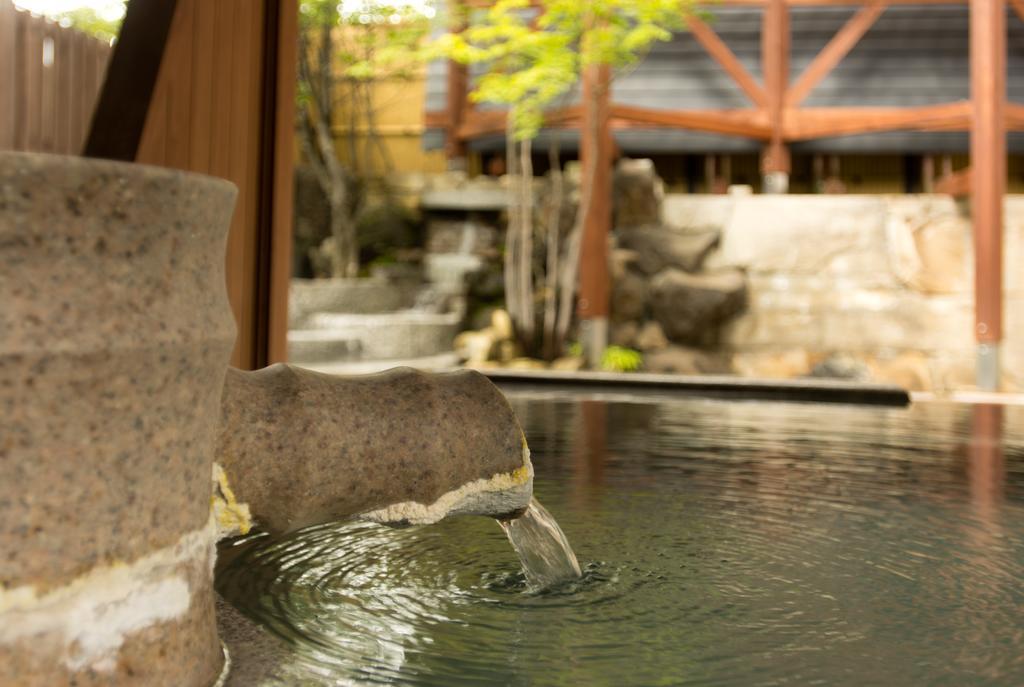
column 877, row 287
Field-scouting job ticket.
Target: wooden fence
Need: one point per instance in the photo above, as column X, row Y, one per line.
column 50, row 77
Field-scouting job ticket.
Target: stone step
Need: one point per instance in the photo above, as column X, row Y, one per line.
column 443, row 362
column 334, row 337
column 308, row 297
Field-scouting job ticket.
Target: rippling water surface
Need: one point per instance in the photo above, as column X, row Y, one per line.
column 722, row 543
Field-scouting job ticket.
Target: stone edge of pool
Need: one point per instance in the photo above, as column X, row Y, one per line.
column 719, row 386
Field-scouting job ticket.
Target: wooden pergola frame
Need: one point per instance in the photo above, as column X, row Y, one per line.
column 777, row 118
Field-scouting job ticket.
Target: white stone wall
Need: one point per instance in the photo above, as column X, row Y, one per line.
column 885, row 280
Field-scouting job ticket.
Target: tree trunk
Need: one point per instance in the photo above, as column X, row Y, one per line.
column 553, row 248
column 528, row 313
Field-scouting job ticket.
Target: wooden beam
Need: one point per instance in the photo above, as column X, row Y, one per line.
column 455, row 109
column 727, row 60
column 746, row 123
column 1014, row 116
column 492, row 122
column 809, row 123
column 988, row 164
column 775, row 37
column 1018, row 8
column 123, row 105
column 435, row 119
column 835, row 51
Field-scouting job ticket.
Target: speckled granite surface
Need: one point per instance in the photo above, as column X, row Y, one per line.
column 257, row 657
column 301, row 447
column 115, row 333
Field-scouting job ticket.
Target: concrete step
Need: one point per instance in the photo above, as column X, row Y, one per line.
column 335, row 337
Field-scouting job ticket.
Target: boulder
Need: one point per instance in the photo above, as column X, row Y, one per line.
column 651, row 337
column 908, row 370
column 569, row 363
column 638, row 193
column 629, row 297
column 841, row 366
column 623, row 260
column 451, row 235
column 474, row 347
column 691, row 307
column 687, row 361
column 789, row 364
column 384, row 228
column 525, row 364
column 624, row 334
column 501, row 324
column 658, row 247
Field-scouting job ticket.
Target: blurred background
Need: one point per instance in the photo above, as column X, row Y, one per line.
column 761, row 188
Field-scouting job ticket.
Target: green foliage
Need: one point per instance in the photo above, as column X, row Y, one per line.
column 88, row 21
column 621, row 359
column 376, row 41
column 531, row 63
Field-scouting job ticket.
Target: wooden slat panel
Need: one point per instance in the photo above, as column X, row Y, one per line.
column 210, row 104
column 178, row 67
column 153, row 146
column 81, row 102
column 31, row 48
column 201, row 114
column 65, row 87
column 8, row 77
column 89, row 85
column 48, row 87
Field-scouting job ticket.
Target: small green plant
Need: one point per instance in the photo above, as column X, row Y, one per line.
column 576, row 349
column 621, row 359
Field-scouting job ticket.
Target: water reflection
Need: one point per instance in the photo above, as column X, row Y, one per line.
column 722, row 543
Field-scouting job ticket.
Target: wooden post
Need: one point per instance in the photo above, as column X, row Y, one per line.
column 454, row 146
column 775, row 161
column 278, row 173
column 595, row 147
column 457, row 87
column 988, row 183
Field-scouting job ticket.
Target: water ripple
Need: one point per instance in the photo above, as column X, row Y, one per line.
column 721, row 544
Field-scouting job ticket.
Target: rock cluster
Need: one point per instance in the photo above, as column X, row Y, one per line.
column 665, row 302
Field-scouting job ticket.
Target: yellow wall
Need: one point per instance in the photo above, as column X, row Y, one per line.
column 399, row 107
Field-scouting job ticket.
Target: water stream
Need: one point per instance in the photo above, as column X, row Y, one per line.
column 542, row 547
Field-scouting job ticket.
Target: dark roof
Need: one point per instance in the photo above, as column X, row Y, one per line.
column 913, row 55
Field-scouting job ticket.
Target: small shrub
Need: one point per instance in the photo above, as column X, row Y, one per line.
column 621, row 359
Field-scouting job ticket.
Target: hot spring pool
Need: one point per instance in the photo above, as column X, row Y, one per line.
column 723, row 543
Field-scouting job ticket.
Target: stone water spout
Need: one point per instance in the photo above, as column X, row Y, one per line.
column 116, row 400
column 299, row 448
